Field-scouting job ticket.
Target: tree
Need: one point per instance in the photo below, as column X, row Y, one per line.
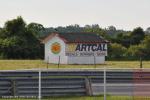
column 141, row 50
column 137, row 35
column 116, row 51
column 15, row 27
column 146, row 47
column 111, row 28
column 135, row 51
column 73, row 28
column 148, row 30
column 18, row 42
column 94, row 29
column 36, row 28
column 123, row 39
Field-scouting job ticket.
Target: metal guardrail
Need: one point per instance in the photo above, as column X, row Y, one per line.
column 25, row 83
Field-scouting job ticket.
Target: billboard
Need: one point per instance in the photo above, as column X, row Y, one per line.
column 82, row 49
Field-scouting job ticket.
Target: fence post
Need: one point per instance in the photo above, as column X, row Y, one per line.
column 141, row 64
column 58, row 61
column 88, row 86
column 13, row 88
column 39, row 96
column 94, row 61
column 105, row 84
column 47, row 61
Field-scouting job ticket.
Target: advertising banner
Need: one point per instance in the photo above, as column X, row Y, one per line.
column 86, row 49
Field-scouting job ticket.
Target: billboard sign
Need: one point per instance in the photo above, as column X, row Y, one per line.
column 82, row 49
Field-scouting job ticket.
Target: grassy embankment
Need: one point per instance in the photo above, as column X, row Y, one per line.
column 31, row 64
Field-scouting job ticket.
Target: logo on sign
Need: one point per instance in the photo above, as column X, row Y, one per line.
column 56, row 48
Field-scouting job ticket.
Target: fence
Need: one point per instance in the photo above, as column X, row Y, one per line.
column 75, row 82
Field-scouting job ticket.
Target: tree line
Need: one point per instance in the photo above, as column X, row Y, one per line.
column 19, row 40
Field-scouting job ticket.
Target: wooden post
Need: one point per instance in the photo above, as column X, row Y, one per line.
column 141, row 64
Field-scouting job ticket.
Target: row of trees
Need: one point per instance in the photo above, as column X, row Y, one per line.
column 19, row 40
column 125, row 45
column 130, row 46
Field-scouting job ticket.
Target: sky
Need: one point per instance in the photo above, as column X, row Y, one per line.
column 123, row 14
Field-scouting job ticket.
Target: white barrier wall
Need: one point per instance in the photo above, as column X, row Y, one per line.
column 86, row 60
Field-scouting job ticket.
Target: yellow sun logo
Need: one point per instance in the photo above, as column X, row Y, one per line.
column 55, row 48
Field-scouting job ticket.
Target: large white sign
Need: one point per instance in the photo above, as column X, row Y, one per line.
column 86, row 49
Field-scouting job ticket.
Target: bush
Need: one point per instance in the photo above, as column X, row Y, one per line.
column 116, row 51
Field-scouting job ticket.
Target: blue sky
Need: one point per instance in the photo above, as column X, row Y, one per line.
column 124, row 14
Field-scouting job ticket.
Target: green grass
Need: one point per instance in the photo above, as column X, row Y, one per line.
column 31, row 64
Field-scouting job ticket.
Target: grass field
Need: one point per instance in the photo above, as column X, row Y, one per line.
column 31, row 64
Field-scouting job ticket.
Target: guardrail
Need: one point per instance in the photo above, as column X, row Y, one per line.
column 69, row 82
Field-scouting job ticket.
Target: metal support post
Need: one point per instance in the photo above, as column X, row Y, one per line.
column 105, row 84
column 58, row 61
column 47, row 61
column 39, row 96
column 94, row 61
